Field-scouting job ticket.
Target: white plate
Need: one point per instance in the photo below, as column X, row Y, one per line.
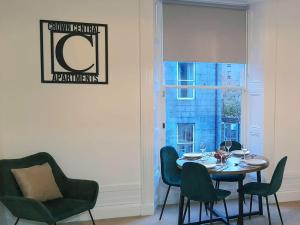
column 210, row 166
column 255, row 162
column 192, row 155
column 240, row 152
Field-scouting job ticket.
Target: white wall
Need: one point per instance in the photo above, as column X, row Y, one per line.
column 93, row 131
column 273, row 58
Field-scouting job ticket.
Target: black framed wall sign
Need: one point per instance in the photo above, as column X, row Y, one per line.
column 73, row 52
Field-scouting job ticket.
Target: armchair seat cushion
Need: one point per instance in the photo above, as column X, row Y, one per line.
column 63, row 208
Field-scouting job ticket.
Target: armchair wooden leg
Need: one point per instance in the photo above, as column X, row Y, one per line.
column 92, row 217
column 17, row 221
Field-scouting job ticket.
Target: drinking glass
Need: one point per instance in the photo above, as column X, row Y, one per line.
column 228, row 144
column 244, row 150
column 203, row 149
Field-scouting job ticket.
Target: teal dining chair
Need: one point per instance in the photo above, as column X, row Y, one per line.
column 196, row 185
column 170, row 173
column 267, row 189
column 230, row 177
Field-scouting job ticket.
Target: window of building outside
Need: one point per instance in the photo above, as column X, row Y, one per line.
column 212, row 113
column 185, row 137
column 185, row 76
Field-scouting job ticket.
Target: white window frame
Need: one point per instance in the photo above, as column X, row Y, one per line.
column 180, row 80
column 186, row 143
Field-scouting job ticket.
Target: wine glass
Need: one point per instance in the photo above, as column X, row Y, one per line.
column 228, row 144
column 244, row 150
column 203, row 149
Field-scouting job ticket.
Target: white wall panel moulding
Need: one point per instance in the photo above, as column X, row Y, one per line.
column 255, row 130
column 255, row 88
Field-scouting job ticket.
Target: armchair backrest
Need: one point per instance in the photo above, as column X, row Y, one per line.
column 8, row 184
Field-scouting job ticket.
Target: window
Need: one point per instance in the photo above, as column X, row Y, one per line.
column 185, row 76
column 185, row 137
column 213, row 115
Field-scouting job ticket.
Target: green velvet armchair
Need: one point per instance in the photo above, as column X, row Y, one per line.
column 78, row 195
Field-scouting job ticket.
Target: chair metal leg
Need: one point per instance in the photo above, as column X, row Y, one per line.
column 17, row 221
column 278, row 208
column 226, row 211
column 165, row 201
column 206, row 207
column 189, row 209
column 211, row 209
column 185, row 209
column 251, row 198
column 200, row 212
column 92, row 217
column 180, row 213
column 267, row 201
column 216, row 185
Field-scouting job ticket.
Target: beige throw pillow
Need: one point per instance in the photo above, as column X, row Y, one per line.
column 37, row 182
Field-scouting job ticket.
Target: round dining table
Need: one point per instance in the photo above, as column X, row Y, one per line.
column 235, row 164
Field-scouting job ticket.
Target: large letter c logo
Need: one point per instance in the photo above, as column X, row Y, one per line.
column 60, row 47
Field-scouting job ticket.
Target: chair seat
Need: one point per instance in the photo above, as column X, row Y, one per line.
column 63, row 208
column 228, row 178
column 255, row 188
column 222, row 194
column 174, row 181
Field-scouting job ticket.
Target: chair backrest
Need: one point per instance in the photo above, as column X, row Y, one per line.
column 278, row 175
column 169, row 169
column 8, row 184
column 235, row 145
column 196, row 184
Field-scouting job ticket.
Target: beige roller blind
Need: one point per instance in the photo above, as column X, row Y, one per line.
column 204, row 34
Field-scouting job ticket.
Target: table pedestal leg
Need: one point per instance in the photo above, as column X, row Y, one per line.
column 241, row 204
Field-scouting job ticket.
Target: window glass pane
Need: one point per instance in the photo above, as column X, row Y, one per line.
column 185, row 137
column 186, row 71
column 204, row 74
column 215, row 115
column 185, row 93
column 185, row 133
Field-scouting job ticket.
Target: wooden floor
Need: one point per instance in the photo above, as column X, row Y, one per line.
column 290, row 212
